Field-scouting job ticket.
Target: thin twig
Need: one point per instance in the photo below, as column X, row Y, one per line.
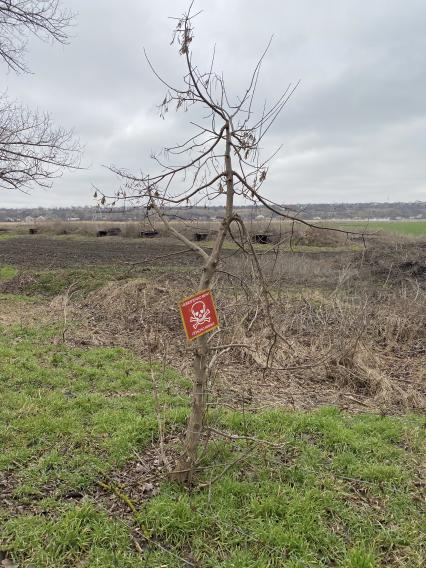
column 235, row 437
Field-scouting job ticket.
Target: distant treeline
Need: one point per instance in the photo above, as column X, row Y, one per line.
column 398, row 210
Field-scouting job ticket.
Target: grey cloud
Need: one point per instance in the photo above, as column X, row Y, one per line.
column 354, row 130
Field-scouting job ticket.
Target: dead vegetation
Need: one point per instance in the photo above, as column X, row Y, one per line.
column 350, row 340
column 279, row 231
column 350, row 326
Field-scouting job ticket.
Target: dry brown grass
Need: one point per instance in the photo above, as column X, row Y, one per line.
column 28, row 312
column 279, row 231
column 344, row 325
column 331, row 344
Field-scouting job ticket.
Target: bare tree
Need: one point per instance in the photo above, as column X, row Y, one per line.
column 32, row 150
column 221, row 160
column 21, row 18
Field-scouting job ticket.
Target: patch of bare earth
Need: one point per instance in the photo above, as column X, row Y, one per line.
column 39, row 251
column 140, row 476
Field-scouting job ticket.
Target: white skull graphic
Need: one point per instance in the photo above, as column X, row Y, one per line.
column 200, row 314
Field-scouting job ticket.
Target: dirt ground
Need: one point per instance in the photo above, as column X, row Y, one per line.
column 45, row 252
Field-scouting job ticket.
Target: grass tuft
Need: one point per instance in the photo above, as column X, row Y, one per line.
column 7, row 272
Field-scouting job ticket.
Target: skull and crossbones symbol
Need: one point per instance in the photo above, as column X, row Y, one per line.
column 200, row 314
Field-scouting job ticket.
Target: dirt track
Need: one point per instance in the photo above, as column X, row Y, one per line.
column 45, row 252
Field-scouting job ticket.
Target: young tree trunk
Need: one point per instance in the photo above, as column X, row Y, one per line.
column 207, row 90
column 185, row 465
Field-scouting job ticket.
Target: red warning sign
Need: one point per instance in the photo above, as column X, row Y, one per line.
column 199, row 314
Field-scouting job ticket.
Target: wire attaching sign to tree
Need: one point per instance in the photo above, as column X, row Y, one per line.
column 199, row 315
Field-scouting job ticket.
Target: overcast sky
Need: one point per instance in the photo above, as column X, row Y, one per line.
column 355, row 130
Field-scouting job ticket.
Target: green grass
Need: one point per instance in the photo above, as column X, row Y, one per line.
column 409, row 228
column 68, row 415
column 76, row 535
column 54, row 282
column 50, row 283
column 7, row 236
column 339, row 490
column 7, row 272
column 15, row 299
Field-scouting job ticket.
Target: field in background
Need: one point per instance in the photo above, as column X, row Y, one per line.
column 277, row 229
column 411, row 228
column 328, row 469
